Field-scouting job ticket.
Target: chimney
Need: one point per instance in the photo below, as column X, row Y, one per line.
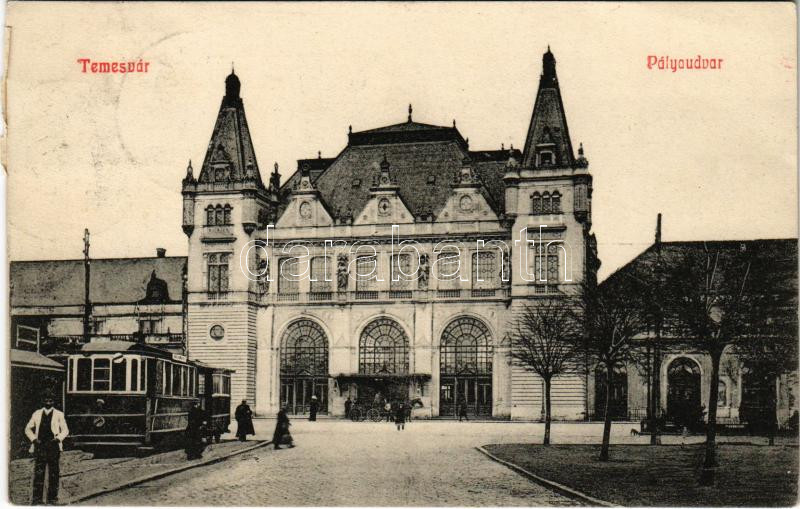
column 658, row 229
column 161, row 252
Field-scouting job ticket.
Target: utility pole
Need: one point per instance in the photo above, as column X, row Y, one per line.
column 655, row 400
column 87, row 303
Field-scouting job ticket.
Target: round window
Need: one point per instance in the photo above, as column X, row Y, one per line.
column 217, row 332
column 466, row 203
column 305, row 210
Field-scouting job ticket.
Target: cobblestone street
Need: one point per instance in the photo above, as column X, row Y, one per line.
column 431, row 463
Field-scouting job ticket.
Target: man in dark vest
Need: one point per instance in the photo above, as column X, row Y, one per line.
column 46, row 430
column 313, row 408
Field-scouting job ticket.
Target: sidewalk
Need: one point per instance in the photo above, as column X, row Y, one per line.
column 81, row 475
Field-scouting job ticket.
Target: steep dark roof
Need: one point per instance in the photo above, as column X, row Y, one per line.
column 415, row 152
column 549, row 121
column 315, row 166
column 230, row 145
column 26, row 359
column 113, row 281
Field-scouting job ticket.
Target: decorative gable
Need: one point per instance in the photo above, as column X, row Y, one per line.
column 306, row 207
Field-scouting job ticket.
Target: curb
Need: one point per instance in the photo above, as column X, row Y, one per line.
column 560, row 488
column 152, row 477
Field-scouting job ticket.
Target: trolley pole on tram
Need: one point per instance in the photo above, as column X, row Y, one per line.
column 87, row 303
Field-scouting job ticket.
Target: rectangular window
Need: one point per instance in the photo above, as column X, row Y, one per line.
column 176, row 380
column 287, row 283
column 84, row 374
column 320, row 269
column 484, row 264
column 27, row 338
column 150, row 325
column 448, row 263
column 119, row 374
column 134, row 374
column 545, row 264
column 401, row 270
column 217, row 384
column 218, row 272
column 367, row 273
column 167, row 378
column 101, row 375
column 201, row 385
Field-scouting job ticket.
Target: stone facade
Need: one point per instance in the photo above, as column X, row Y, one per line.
column 361, row 328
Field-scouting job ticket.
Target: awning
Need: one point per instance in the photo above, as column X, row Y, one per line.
column 27, row 359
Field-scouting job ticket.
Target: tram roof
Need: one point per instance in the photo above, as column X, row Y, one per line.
column 28, row 359
column 123, row 346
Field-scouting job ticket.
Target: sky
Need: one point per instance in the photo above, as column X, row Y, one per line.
column 714, row 151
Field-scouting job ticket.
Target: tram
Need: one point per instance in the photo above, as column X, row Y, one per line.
column 126, row 394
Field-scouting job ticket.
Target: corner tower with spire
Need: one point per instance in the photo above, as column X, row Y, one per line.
column 225, row 204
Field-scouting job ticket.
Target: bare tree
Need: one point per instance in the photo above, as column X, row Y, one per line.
column 612, row 317
column 544, row 339
column 711, row 305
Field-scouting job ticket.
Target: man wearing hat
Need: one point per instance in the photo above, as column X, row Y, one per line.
column 46, row 430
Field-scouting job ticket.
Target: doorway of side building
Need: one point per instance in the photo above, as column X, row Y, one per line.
column 304, row 367
column 683, row 393
column 466, row 368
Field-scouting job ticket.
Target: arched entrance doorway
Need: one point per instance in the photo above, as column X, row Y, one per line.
column 383, row 354
column 465, row 366
column 683, row 393
column 304, row 367
column 618, row 405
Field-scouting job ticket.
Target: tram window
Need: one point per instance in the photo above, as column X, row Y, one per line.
column 176, row 380
column 226, row 389
column 143, row 375
column 185, row 381
column 84, row 373
column 134, row 374
column 167, row 379
column 119, row 374
column 101, row 375
column 201, row 385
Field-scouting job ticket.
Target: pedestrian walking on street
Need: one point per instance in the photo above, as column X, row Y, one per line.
column 195, row 431
column 348, row 405
column 281, row 434
column 387, row 409
column 46, row 430
column 244, row 421
column 313, row 408
column 400, row 416
column 462, row 409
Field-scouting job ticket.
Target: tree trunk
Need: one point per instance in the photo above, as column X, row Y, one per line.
column 547, row 415
column 607, row 422
column 707, row 475
column 655, row 439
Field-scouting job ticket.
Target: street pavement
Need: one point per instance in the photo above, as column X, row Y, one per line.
column 336, row 462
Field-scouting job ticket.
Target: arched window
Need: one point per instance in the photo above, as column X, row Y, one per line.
column 304, row 349
column 555, row 206
column 383, row 348
column 227, row 214
column 546, row 209
column 209, row 215
column 219, row 215
column 466, row 348
column 537, row 203
column 722, row 396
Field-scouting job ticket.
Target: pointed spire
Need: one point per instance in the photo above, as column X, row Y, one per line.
column 410, row 111
column 454, row 123
column 658, row 229
column 350, row 129
column 548, row 143
column 231, row 157
column 275, row 179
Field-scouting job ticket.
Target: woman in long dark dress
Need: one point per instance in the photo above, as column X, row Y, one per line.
column 244, row 421
column 194, row 432
column 313, row 409
column 281, row 434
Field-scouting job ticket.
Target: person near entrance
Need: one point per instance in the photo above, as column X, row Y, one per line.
column 195, row 431
column 387, row 409
column 281, row 434
column 313, row 408
column 244, row 421
column 462, row 409
column 400, row 416
column 46, row 430
column 348, row 405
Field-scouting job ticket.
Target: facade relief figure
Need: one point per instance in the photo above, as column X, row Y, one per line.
column 505, row 270
column 263, row 278
column 341, row 273
column 424, row 271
